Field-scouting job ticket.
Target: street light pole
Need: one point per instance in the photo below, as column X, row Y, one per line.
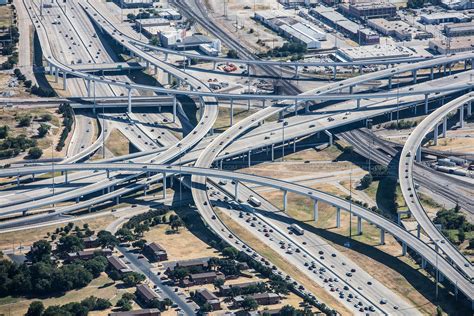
column 350, row 205
column 283, row 141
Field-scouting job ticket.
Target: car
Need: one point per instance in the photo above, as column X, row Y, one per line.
column 383, row 300
column 348, row 274
column 333, row 255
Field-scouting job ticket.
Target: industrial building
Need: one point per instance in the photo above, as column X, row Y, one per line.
column 297, row 3
column 452, row 45
column 445, row 17
column 458, row 4
column 374, row 52
column 399, row 30
column 292, row 28
column 132, row 4
column 341, row 24
column 169, row 14
column 369, row 10
column 459, row 29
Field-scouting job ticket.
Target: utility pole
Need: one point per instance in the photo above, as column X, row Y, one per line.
column 350, row 205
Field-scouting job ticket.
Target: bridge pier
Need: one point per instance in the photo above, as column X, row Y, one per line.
column 294, row 145
column 469, row 108
column 231, row 116
column 390, row 83
column 338, row 217
column 404, row 249
column 285, row 200
column 358, row 103
column 117, row 200
column 88, row 88
column 155, row 70
column 315, row 210
column 129, row 108
column 56, row 75
column 66, row 181
column 296, row 107
column 382, row 236
column 330, row 137
column 431, row 73
column 334, row 72
column 108, row 173
column 445, row 126
column 399, row 216
column 426, row 103
column 418, row 231
column 461, row 116
column 174, row 108
column 423, row 263
column 236, row 191
column 296, row 71
column 418, row 154
column 18, row 180
column 64, row 80
column 164, row 185
column 249, row 155
column 273, row 152
column 359, row 225
column 435, row 134
column 414, row 76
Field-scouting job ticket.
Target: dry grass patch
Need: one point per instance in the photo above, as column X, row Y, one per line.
column 117, row 143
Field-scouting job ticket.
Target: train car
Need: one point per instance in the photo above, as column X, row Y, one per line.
column 297, row 229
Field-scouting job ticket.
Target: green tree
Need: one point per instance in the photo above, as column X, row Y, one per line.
column 43, row 130
column 69, row 244
column 96, row 265
column 106, row 239
column 140, row 244
column 133, row 278
column 40, row 251
column 366, row 181
column 24, row 121
column 4, row 130
column 249, row 303
column 46, row 117
column 36, row 308
column 287, row 310
column 218, row 283
column 230, row 252
column 461, row 235
column 232, row 54
column 35, row 153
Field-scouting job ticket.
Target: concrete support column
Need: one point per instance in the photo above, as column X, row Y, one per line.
column 338, row 217
column 418, row 230
column 315, row 211
column 64, row 80
column 129, row 108
column 418, row 154
column 273, row 152
column 296, row 71
column 231, row 116
column 296, row 107
column 330, row 137
column 236, row 191
column 390, row 83
column 117, row 200
column 461, row 116
column 294, row 145
column 285, row 200
column 359, row 225
column 382, row 236
column 249, row 155
column 17, row 180
column 445, row 126
column 435, row 134
column 469, row 108
column 423, row 263
column 108, row 173
column 174, row 108
column 334, row 72
column 66, row 178
column 426, row 103
column 431, row 73
column 404, row 249
column 164, row 185
column 56, row 75
column 414, row 76
column 358, row 103
column 88, row 88
column 155, row 71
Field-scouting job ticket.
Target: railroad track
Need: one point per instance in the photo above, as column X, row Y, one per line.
column 383, row 154
column 193, row 9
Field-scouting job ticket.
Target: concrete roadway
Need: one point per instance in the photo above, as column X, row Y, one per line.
column 411, row 241
column 405, row 173
column 313, row 249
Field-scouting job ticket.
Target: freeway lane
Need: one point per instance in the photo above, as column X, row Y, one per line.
column 405, row 174
column 414, row 243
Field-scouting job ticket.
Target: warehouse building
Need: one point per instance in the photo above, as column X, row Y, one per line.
column 373, row 53
column 445, row 17
column 453, row 45
column 458, row 4
column 459, row 29
column 292, row 28
column 341, row 24
column 396, row 29
column 133, row 4
column 369, row 10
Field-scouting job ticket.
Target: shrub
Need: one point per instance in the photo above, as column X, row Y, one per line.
column 35, row 153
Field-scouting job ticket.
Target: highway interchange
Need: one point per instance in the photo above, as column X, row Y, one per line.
column 201, row 152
